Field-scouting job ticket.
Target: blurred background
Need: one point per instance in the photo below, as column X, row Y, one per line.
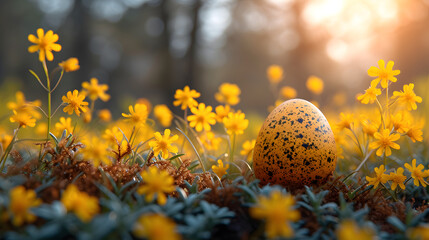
column 150, row 48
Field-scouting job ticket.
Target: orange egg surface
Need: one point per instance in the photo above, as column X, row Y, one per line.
column 295, row 146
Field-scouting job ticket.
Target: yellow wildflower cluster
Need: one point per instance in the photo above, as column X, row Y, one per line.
column 397, row 177
column 275, row 75
column 203, row 119
column 380, row 129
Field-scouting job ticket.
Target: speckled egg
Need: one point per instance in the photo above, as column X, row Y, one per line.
column 295, row 146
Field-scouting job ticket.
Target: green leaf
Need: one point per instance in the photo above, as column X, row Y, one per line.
column 175, row 156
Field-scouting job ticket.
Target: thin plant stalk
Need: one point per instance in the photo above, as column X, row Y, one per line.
column 364, row 160
column 7, row 151
column 195, row 150
column 48, row 86
column 231, row 155
column 185, row 116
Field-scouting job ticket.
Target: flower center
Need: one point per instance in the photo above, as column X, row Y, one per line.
column 201, row 119
column 385, row 142
column 163, row 145
column 43, row 43
column 384, row 74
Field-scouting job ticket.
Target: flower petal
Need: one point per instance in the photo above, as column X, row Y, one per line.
column 33, row 39
column 40, row 33
column 33, row 48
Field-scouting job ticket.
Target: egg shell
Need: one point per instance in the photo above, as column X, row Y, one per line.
column 295, row 146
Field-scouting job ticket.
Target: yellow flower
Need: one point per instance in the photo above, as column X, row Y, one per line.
column 163, row 114
column 95, row 91
column 415, row 133
column 146, row 102
column 5, row 140
column 397, row 178
column 385, row 142
column 275, row 73
column 138, row 115
column 95, row 151
column 235, row 123
column 228, row 94
column 248, row 147
column 80, row 203
column 288, row 92
column 70, row 65
column 278, row 212
column 346, row 121
column 203, row 117
column 64, row 124
column 417, row 173
column 210, row 142
column 123, row 149
column 163, row 143
column 155, row 227
column 113, row 135
column 315, row 85
column 369, row 127
column 383, row 74
column 21, row 105
column 370, row 94
column 380, row 177
column 407, row 97
column 156, row 182
column 75, row 102
column 221, row 112
column 45, row 44
column 186, row 97
column 24, row 119
column 221, row 169
column 348, row 230
column 105, row 115
column 400, row 121
column 21, row 200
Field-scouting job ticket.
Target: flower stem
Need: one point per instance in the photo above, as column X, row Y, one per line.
column 231, row 155
column 58, row 82
column 357, row 142
column 7, row 151
column 185, row 116
column 364, row 160
column 390, row 193
column 406, row 181
column 380, row 108
column 48, row 86
column 387, row 100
